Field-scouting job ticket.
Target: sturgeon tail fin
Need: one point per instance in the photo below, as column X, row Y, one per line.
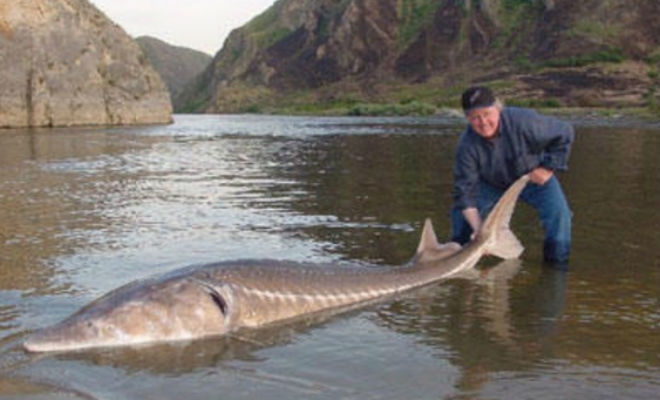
column 501, row 241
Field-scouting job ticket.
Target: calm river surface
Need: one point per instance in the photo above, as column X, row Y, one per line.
column 83, row 211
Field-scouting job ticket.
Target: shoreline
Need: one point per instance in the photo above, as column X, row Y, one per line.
column 590, row 117
column 606, row 117
column 627, row 116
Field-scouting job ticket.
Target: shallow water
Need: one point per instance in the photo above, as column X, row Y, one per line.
column 83, row 211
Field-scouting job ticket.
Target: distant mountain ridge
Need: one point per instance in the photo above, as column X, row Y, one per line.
column 176, row 65
column 550, row 52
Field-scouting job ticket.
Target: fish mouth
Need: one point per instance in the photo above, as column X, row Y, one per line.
column 50, row 342
column 43, row 341
column 58, row 337
column 35, row 344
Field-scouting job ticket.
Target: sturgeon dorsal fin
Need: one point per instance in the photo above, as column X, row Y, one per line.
column 430, row 250
column 428, row 241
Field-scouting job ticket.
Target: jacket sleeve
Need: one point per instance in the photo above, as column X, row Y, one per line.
column 466, row 176
column 552, row 139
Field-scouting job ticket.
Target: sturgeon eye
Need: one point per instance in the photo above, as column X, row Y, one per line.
column 219, row 301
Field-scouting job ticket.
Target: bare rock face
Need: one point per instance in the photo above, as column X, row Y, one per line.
column 589, row 53
column 63, row 63
column 300, row 44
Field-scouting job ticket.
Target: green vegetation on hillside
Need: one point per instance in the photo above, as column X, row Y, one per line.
column 266, row 28
column 612, row 55
column 652, row 97
column 414, row 16
column 265, row 20
column 593, row 29
column 422, row 99
column 513, row 18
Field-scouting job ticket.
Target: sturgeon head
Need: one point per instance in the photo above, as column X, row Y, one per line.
column 141, row 312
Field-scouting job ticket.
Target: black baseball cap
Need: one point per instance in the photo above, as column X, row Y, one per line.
column 477, row 97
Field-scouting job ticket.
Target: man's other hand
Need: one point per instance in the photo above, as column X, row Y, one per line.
column 540, row 175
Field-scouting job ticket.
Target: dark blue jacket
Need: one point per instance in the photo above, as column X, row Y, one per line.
column 525, row 140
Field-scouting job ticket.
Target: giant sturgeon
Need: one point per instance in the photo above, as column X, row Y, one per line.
column 221, row 298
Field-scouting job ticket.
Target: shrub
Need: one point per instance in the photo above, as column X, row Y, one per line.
column 613, row 55
column 391, row 109
column 535, row 103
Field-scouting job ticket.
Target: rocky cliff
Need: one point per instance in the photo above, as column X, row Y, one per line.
column 176, row 65
column 589, row 53
column 64, row 63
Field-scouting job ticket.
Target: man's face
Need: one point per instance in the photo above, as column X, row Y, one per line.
column 485, row 121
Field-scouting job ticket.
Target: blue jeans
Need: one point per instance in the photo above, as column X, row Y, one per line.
column 548, row 200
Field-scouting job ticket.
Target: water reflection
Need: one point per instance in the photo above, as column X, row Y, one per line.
column 85, row 211
column 182, row 357
column 379, row 185
column 616, row 192
column 489, row 324
column 41, row 209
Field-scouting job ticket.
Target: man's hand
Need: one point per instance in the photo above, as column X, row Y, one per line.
column 471, row 215
column 540, row 175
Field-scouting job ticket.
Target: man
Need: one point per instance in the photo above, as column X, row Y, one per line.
column 499, row 145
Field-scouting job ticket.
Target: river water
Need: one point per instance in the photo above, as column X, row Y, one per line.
column 83, row 211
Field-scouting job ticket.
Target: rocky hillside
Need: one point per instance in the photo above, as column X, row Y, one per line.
column 558, row 53
column 65, row 63
column 176, row 65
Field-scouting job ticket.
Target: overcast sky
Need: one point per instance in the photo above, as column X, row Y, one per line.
column 198, row 24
